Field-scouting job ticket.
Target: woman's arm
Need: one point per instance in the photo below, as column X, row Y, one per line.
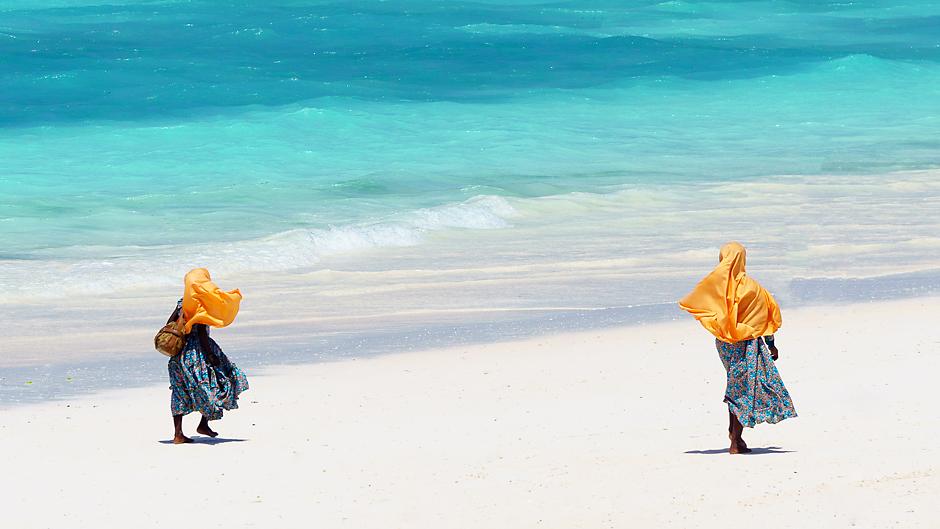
column 207, row 350
column 769, row 340
column 175, row 315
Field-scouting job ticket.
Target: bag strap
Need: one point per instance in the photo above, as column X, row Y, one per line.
column 178, row 311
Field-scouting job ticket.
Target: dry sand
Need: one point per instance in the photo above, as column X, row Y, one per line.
column 615, row 428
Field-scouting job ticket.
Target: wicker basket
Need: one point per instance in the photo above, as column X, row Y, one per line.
column 169, row 341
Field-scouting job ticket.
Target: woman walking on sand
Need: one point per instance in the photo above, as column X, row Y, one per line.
column 743, row 317
column 202, row 378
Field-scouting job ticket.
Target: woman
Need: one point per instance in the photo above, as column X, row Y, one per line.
column 743, row 317
column 202, row 378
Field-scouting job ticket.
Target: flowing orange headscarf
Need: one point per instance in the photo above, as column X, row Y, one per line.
column 204, row 302
column 731, row 305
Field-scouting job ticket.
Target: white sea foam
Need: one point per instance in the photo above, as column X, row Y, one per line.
column 96, row 270
column 634, row 236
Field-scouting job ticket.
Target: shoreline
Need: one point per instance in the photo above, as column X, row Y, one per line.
column 596, row 428
column 39, row 382
column 55, row 381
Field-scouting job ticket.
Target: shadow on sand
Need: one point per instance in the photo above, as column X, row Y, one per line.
column 201, row 440
column 754, row 451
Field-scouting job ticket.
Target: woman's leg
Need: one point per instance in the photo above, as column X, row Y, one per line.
column 204, row 429
column 733, row 425
column 178, row 437
column 735, row 430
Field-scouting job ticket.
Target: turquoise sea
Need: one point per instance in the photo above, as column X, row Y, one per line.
column 137, row 137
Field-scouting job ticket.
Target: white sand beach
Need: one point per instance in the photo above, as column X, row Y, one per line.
column 613, row 428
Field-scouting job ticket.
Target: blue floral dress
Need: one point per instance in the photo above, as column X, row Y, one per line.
column 755, row 392
column 197, row 385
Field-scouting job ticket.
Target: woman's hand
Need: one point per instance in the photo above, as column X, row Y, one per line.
column 212, row 360
column 774, row 353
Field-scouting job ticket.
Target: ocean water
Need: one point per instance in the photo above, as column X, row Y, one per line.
column 140, row 138
column 381, row 176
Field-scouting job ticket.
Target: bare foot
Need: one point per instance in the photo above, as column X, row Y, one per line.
column 739, row 446
column 204, row 429
column 179, row 439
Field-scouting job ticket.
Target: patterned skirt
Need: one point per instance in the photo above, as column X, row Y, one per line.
column 755, row 392
column 198, row 386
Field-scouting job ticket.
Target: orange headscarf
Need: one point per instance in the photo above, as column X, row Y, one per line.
column 731, row 305
column 206, row 303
